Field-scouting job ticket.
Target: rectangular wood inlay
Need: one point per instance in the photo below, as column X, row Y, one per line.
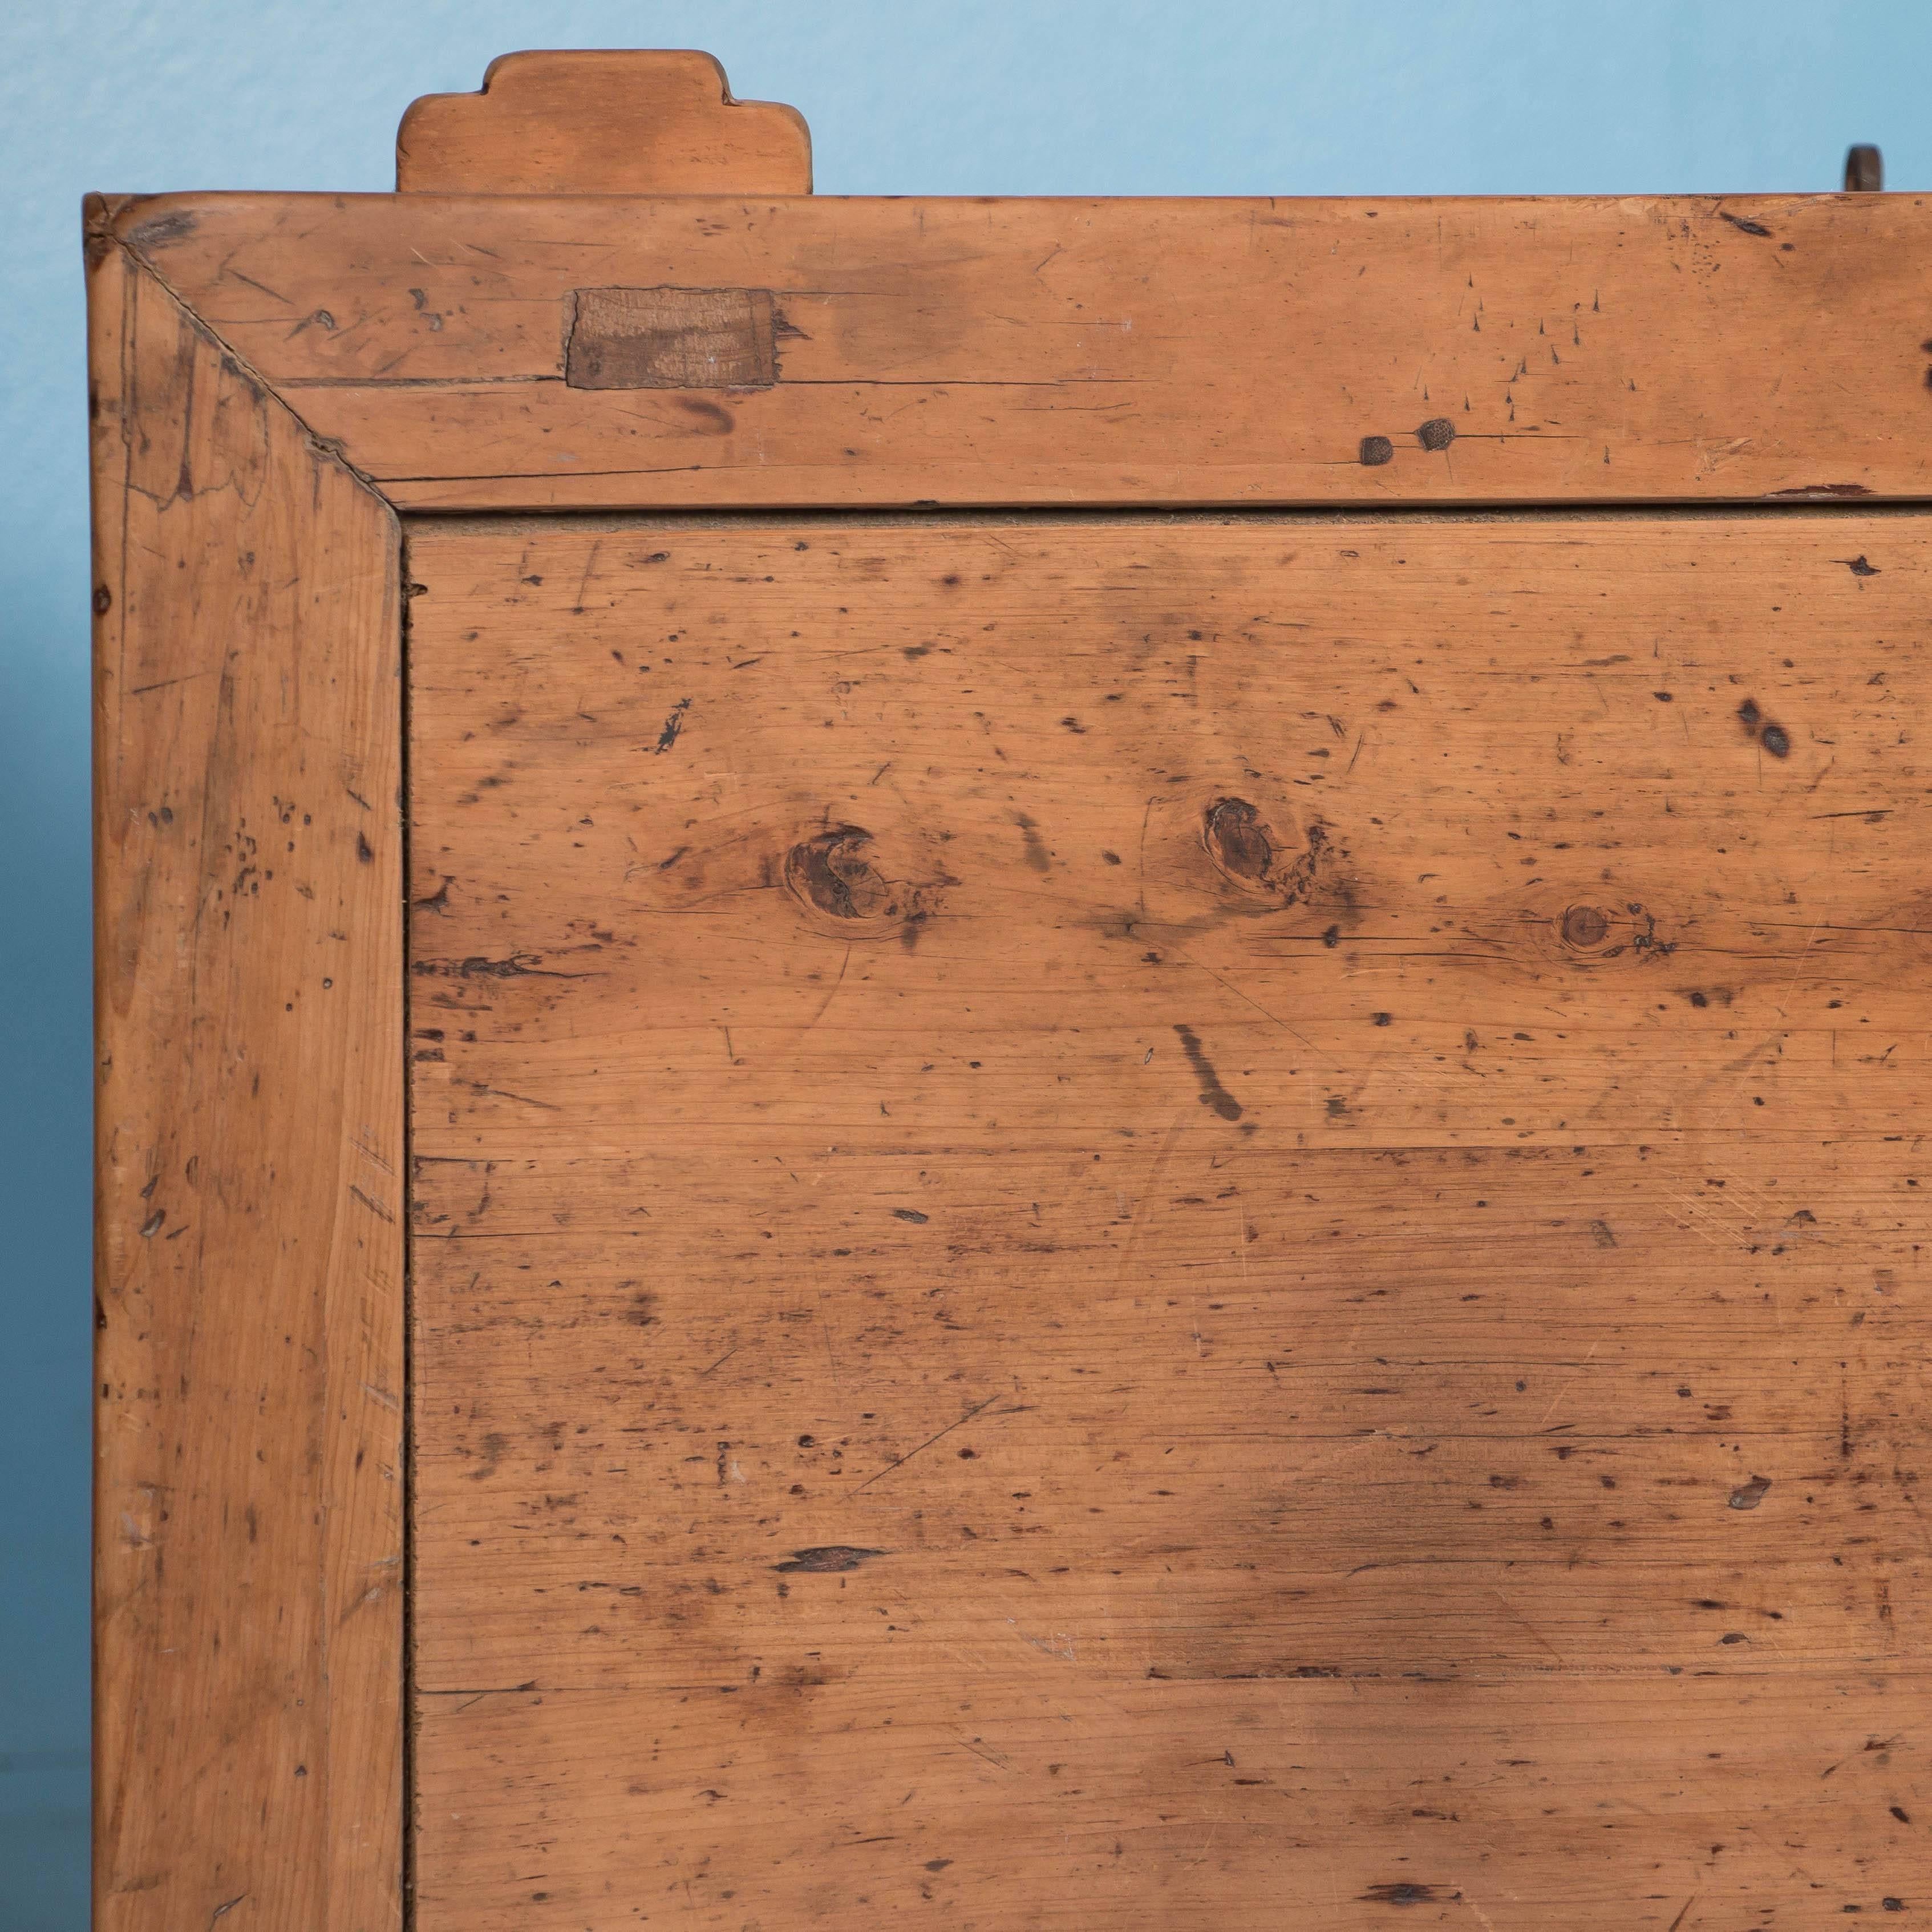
column 671, row 339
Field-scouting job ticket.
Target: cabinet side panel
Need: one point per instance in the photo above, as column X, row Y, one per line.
column 249, row 1153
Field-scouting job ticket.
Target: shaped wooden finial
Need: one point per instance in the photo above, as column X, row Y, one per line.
column 602, row 123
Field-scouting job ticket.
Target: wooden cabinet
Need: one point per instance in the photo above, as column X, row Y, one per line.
column 1057, row 1062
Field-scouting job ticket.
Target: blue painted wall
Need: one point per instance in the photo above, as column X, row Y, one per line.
column 1382, row 97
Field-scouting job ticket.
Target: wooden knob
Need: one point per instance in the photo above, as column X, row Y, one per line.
column 602, row 123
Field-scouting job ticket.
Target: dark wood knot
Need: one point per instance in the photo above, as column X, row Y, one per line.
column 1585, row 927
column 833, row 875
column 1249, row 853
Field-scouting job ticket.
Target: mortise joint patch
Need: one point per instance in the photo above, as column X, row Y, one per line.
column 670, row 338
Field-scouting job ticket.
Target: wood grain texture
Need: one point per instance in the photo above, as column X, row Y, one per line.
column 1205, row 1221
column 1119, row 351
column 609, row 121
column 248, row 1600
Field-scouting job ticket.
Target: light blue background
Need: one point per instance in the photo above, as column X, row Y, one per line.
column 923, row 97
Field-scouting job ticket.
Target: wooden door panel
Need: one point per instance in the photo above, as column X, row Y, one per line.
column 1167, row 1219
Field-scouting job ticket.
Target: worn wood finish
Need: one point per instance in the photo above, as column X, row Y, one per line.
column 612, row 121
column 1121, row 1219
column 249, row 1132
column 1320, row 1806
column 1209, row 1221
column 1120, row 352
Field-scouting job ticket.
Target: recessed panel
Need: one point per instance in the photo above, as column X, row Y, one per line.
column 1209, row 1223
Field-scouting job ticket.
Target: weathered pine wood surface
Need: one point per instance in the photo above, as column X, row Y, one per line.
column 1190, row 1221
column 249, row 1236
column 611, row 122
column 1109, row 352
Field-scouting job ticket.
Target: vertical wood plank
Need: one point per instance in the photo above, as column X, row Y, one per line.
column 249, row 1269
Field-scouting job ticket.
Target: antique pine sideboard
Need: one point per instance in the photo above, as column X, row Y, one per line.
column 1052, row 1062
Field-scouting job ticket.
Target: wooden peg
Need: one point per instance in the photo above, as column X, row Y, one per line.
column 623, row 122
column 1864, row 169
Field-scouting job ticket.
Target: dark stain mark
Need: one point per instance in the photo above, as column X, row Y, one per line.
column 1743, row 226
column 936, row 1865
column 517, row 966
column 1404, row 1893
column 672, row 338
column 1212, row 1093
column 1600, row 1233
column 1858, row 566
column 438, row 902
column 1438, row 432
column 1331, row 936
column 828, row 1560
column 708, row 418
column 364, row 853
column 642, row 1310
column 910, row 1214
column 163, row 230
column 673, row 725
column 1375, row 451
column 1748, row 1495
column 1643, row 938
column 1773, row 737
column 1382, row 1019
column 1703, row 997
column 1903, row 1817
column 1584, row 926
column 1036, row 855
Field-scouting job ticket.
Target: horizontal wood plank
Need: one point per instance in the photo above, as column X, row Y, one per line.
column 1257, row 351
column 1007, row 1787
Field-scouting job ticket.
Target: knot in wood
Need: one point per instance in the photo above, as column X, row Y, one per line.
column 1584, row 926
